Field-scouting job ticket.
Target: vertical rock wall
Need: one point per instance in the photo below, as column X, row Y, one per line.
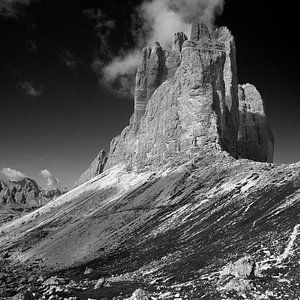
column 255, row 139
column 95, row 169
column 186, row 99
column 188, row 109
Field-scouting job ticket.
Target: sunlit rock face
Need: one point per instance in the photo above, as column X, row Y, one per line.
column 187, row 99
column 255, row 140
column 180, row 103
column 95, row 168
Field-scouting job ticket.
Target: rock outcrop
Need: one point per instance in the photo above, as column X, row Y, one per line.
column 169, row 231
column 95, row 168
column 186, row 105
column 255, row 139
column 191, row 103
column 187, row 99
column 174, row 229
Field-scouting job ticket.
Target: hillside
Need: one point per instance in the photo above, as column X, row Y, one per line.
column 17, row 197
column 188, row 204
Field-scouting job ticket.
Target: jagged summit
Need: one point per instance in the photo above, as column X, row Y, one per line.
column 173, row 212
column 199, row 31
column 187, row 100
column 23, row 195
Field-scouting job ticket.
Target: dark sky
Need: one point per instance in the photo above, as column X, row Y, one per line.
column 54, row 114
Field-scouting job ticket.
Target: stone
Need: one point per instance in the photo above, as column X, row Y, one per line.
column 41, row 279
column 238, row 285
column 5, row 255
column 231, row 109
column 178, row 40
column 188, row 99
column 99, row 283
column 23, row 296
column 184, row 114
column 199, row 31
column 139, row 294
column 243, row 268
column 53, row 281
column 173, row 58
column 95, row 168
column 150, row 74
column 255, row 139
column 88, row 271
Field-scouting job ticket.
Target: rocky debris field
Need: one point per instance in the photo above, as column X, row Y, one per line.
column 212, row 228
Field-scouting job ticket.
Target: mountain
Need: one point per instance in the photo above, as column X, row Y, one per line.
column 189, row 204
column 188, row 98
column 95, row 168
column 21, row 196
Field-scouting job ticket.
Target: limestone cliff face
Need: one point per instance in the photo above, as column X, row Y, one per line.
column 186, row 99
column 188, row 109
column 155, row 66
column 95, row 168
column 255, row 139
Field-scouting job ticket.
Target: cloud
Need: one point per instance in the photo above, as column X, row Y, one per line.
column 121, row 65
column 158, row 20
column 11, row 8
column 13, row 175
column 67, row 58
column 29, row 89
column 52, row 182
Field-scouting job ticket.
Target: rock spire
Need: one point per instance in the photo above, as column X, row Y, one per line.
column 188, row 99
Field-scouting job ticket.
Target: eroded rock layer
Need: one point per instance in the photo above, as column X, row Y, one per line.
column 187, row 110
column 187, row 99
column 255, row 140
column 95, row 168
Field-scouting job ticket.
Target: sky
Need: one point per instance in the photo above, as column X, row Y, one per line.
column 62, row 100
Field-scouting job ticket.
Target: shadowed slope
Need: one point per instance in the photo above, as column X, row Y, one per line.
column 182, row 221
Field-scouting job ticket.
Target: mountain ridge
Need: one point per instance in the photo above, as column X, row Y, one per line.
column 19, row 196
column 189, row 97
column 188, row 204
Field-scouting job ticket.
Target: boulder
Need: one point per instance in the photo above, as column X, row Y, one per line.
column 243, row 268
column 139, row 294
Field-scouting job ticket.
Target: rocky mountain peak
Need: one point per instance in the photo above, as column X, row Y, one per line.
column 187, row 100
column 178, row 40
column 95, row 168
column 23, row 195
column 199, row 31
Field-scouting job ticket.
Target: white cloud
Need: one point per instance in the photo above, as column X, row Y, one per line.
column 160, row 20
column 121, row 65
column 30, row 90
column 13, row 175
column 10, row 8
column 52, row 182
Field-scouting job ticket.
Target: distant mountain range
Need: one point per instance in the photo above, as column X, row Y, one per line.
column 187, row 203
column 21, row 196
